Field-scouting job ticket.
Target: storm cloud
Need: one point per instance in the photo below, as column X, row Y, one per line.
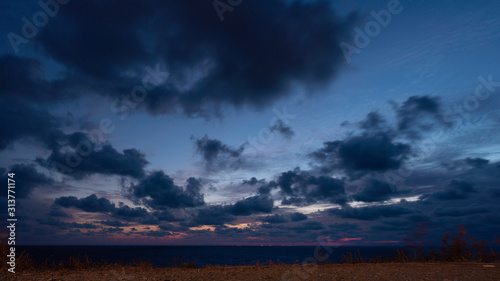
column 217, row 155
column 299, row 44
column 31, row 179
column 158, row 191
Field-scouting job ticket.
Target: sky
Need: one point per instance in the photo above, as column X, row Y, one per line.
column 281, row 122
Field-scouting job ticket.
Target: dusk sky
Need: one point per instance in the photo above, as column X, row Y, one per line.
column 250, row 122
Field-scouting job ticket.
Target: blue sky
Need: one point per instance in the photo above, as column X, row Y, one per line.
column 413, row 103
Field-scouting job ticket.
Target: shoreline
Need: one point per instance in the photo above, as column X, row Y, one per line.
column 344, row 271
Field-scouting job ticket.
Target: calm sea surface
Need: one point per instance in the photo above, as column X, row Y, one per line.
column 202, row 255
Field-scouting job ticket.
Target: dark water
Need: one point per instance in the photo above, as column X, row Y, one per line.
column 202, row 255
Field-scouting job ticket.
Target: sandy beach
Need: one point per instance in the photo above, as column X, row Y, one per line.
column 377, row 271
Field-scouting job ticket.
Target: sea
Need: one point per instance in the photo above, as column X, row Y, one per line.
column 163, row 256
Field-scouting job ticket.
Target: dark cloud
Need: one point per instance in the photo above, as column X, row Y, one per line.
column 344, row 226
column 83, row 158
column 282, row 128
column 95, row 204
column 294, row 217
column 305, row 226
column 298, row 44
column 375, row 190
column 253, row 181
column 173, row 228
column 66, row 225
column 419, row 114
column 28, row 123
column 462, row 211
column 370, row 213
column 275, row 219
column 252, row 205
column 376, row 146
column 213, row 215
column 477, row 162
column 55, row 211
column 115, row 223
column 158, row 191
column 222, row 214
column 165, row 216
column 301, row 188
column 88, row 204
column 23, row 79
column 456, row 189
column 265, row 188
column 217, row 155
column 373, row 122
column 31, row 179
column 130, row 214
column 362, row 154
column 298, row 217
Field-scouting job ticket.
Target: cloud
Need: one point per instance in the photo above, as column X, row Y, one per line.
column 419, row 114
column 294, row 217
column 158, row 191
column 305, row 226
column 283, row 129
column 362, row 154
column 173, row 228
column 94, row 204
column 211, row 63
column 370, row 213
column 130, row 214
column 24, row 122
column 90, row 203
column 253, row 181
column 477, row 162
column 213, row 215
column 115, row 223
column 298, row 217
column 31, row 179
column 343, row 226
column 375, row 146
column 456, row 189
column 84, row 158
column 24, row 80
column 66, row 225
column 462, row 211
column 222, row 214
column 55, row 211
column 274, row 219
column 252, row 205
column 301, row 188
column 375, row 190
column 165, row 216
column 217, row 155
